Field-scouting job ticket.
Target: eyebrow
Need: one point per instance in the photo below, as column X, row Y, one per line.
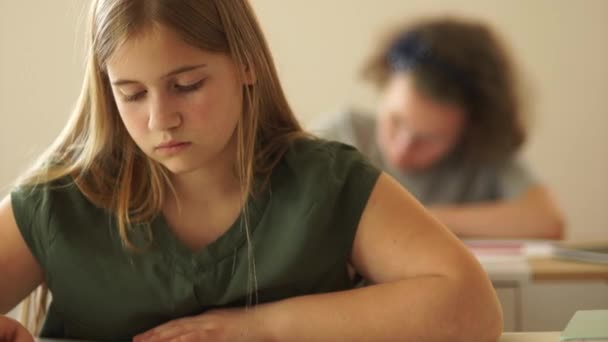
column 171, row 73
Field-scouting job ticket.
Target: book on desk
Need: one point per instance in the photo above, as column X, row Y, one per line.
column 587, row 326
column 592, row 252
column 595, row 252
column 510, row 248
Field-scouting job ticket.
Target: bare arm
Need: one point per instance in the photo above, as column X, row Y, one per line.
column 20, row 271
column 428, row 286
column 533, row 215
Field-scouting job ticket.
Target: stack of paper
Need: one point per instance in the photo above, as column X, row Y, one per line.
column 507, row 260
column 596, row 252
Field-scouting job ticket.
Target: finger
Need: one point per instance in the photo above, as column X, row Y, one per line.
column 192, row 336
column 168, row 325
column 23, row 336
column 166, row 332
column 13, row 331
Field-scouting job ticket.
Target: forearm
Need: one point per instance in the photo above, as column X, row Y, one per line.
column 428, row 308
column 500, row 219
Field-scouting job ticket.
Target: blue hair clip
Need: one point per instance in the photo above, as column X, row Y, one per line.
column 411, row 50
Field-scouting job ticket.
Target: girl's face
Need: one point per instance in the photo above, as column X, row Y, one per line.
column 414, row 131
column 180, row 104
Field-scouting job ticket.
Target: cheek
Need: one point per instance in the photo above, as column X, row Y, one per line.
column 433, row 154
column 216, row 109
column 385, row 132
column 134, row 120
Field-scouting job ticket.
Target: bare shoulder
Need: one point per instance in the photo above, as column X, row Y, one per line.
column 398, row 238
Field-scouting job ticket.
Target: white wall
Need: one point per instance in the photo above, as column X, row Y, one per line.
column 319, row 46
column 40, row 75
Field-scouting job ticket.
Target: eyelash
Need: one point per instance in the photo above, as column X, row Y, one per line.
column 177, row 87
column 133, row 98
column 190, row 87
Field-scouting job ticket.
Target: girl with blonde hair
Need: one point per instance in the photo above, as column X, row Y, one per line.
column 184, row 201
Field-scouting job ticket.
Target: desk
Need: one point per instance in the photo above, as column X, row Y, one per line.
column 523, row 261
column 511, row 274
column 506, row 337
column 551, row 269
column 530, row 337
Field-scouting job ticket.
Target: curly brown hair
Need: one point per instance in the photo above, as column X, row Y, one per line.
column 462, row 62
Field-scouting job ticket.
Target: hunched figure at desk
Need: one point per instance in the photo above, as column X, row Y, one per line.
column 183, row 200
column 448, row 126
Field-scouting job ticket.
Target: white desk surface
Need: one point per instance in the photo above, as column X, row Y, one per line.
column 506, row 337
column 530, row 337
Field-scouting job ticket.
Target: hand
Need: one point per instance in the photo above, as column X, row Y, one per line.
column 216, row 325
column 13, row 331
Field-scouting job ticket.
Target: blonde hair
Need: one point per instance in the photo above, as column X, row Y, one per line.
column 94, row 148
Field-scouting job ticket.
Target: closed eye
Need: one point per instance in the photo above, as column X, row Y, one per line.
column 179, row 88
column 134, row 97
column 190, row 87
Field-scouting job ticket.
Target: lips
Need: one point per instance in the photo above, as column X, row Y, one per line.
column 171, row 144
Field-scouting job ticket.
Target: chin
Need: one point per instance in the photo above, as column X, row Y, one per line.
column 180, row 168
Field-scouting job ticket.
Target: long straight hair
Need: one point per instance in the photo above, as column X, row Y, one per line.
column 95, row 150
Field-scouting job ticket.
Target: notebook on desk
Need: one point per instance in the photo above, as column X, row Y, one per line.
column 595, row 252
column 507, row 260
column 524, row 248
column 587, row 326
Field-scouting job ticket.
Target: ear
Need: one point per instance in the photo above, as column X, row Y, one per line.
column 249, row 77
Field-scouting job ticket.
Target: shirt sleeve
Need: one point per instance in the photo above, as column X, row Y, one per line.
column 357, row 179
column 30, row 209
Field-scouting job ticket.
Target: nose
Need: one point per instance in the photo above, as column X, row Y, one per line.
column 163, row 114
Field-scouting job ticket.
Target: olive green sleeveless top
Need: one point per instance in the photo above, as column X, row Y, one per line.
column 302, row 229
